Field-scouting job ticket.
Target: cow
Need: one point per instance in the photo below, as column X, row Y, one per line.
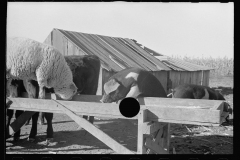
column 132, row 82
column 192, row 91
column 85, row 70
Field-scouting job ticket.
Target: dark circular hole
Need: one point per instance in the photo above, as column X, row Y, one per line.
column 129, row 107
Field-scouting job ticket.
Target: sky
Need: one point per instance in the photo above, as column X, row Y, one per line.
column 172, row 29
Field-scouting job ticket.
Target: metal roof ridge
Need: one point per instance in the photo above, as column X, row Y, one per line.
column 195, row 66
column 151, row 61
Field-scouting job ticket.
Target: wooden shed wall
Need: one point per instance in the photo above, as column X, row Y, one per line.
column 206, row 76
column 65, row 46
column 194, row 77
column 48, row 40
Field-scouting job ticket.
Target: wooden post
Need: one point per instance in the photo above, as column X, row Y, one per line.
column 166, row 137
column 100, row 78
column 142, row 117
column 159, row 144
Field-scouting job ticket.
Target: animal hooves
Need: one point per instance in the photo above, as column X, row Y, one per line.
column 31, row 139
column 49, row 140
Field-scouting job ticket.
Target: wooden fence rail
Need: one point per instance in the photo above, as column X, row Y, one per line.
column 154, row 117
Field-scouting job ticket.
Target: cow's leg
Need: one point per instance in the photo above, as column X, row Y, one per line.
column 11, row 92
column 17, row 134
column 8, row 120
column 41, row 118
column 206, row 95
column 33, row 131
column 49, row 117
column 31, row 90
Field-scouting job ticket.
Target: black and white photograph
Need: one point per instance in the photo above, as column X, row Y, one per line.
column 119, row 78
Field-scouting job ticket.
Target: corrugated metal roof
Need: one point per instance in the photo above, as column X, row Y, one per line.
column 119, row 53
column 181, row 65
column 115, row 53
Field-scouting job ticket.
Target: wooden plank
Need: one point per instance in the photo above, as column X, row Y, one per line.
column 179, row 102
column 80, row 108
column 81, row 97
column 166, row 136
column 154, row 101
column 165, row 111
column 95, row 131
column 155, row 147
column 183, row 115
column 142, row 117
column 158, row 139
column 151, row 127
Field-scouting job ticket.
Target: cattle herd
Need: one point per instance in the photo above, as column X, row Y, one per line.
column 37, row 68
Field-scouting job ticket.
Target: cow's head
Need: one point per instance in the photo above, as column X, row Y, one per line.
column 113, row 91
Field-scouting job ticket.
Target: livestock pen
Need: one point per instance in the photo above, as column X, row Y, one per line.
column 154, row 118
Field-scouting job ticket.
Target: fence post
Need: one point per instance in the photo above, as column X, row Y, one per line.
column 142, row 117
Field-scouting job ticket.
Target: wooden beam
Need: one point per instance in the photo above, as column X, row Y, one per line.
column 94, row 130
column 151, row 127
column 155, row 147
column 183, row 115
column 166, row 137
column 179, row 102
column 162, row 113
column 81, row 98
column 142, row 117
column 80, row 108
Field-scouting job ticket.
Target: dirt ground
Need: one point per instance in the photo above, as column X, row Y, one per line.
column 185, row 139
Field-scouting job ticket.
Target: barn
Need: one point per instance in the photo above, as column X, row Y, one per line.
column 117, row 53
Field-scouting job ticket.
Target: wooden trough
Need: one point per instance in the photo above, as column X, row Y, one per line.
column 154, row 117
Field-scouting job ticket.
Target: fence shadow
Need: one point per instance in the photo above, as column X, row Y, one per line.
column 81, row 139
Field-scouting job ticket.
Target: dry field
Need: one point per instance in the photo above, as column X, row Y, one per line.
column 185, row 139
